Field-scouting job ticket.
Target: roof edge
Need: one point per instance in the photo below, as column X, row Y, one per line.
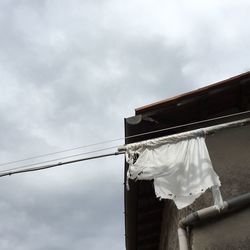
column 177, row 98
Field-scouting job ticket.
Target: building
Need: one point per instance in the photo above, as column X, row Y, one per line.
column 151, row 224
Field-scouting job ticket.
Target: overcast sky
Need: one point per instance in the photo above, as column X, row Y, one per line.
column 70, row 72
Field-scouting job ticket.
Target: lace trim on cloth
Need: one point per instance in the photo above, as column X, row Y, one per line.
column 181, row 168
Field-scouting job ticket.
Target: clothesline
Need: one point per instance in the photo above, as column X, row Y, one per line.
column 186, row 135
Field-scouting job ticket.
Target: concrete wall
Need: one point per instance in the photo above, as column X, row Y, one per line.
column 230, row 154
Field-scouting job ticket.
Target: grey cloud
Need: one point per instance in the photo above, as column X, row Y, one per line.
column 61, row 217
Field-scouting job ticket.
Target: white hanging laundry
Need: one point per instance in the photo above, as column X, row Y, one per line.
column 180, row 167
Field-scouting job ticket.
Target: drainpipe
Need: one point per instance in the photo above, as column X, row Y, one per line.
column 206, row 213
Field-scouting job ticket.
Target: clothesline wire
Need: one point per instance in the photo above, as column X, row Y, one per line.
column 122, row 138
column 11, row 172
column 57, row 159
column 58, row 152
column 187, row 124
column 25, row 168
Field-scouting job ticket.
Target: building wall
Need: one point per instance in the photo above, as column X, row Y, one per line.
column 230, row 154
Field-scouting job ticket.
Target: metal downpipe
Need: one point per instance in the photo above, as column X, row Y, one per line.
column 206, row 213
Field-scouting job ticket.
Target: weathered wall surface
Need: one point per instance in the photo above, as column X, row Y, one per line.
column 230, row 154
column 228, row 233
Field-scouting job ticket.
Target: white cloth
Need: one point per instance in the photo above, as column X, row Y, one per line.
column 181, row 169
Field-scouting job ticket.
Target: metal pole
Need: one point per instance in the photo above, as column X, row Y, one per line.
column 57, row 164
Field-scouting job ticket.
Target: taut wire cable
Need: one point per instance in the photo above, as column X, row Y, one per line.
column 121, row 138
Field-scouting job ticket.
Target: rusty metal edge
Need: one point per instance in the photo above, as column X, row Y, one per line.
column 160, row 104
